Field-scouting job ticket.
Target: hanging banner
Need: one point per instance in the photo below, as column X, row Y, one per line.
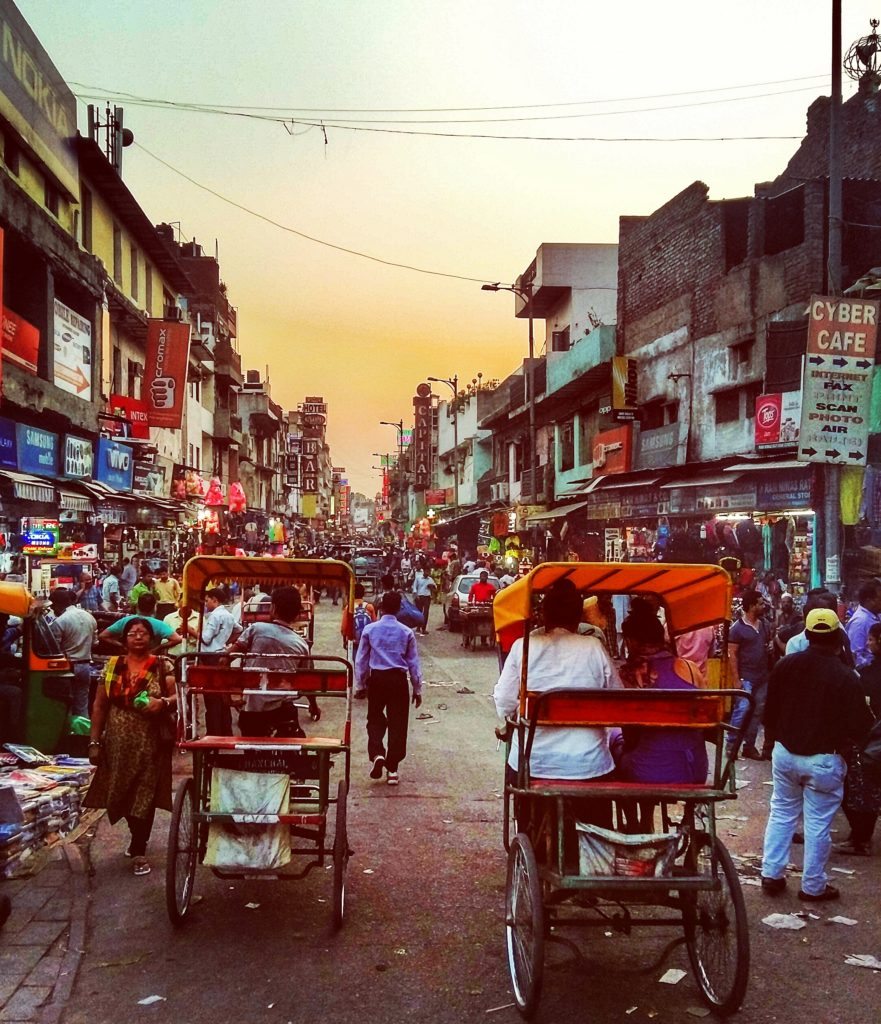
column 421, row 450
column 73, row 352
column 837, row 389
column 165, row 372
column 135, row 417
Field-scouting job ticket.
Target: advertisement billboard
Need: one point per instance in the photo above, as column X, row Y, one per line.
column 165, row 372
column 73, row 352
column 21, row 341
column 777, row 420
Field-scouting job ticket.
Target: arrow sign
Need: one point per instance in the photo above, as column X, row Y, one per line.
column 73, row 376
column 833, row 454
column 864, row 364
column 816, row 360
column 839, row 362
column 855, row 455
column 809, row 451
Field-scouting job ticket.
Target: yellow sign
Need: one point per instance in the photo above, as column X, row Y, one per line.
column 309, row 506
column 624, row 388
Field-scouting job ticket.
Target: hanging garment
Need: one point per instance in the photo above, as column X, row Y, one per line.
column 789, row 539
column 237, row 500
column 766, row 545
column 214, row 494
column 851, row 495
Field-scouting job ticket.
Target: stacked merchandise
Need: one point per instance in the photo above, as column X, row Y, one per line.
column 40, row 801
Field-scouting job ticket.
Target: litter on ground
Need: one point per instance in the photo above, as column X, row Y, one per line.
column 788, row 922
column 838, row 919
column 863, row 960
column 672, row 977
column 151, row 999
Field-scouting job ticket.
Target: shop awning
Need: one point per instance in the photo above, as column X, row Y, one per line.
column 769, row 467
column 555, row 513
column 620, row 481
column 104, row 493
column 29, row 488
column 75, row 502
column 704, row 481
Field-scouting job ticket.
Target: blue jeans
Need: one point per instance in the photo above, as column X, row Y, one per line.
column 760, row 693
column 812, row 785
column 82, row 682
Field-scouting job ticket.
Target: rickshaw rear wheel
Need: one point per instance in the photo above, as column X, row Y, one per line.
column 524, row 925
column 180, row 866
column 340, row 856
column 717, row 931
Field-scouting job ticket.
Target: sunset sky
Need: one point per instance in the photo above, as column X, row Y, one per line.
column 363, row 334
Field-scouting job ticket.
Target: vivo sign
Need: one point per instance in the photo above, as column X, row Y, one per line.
column 115, row 464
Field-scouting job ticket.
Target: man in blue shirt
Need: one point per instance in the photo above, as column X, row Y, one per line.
column 386, row 653
column 749, row 642
column 862, row 619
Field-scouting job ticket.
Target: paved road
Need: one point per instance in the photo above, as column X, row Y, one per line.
column 423, row 939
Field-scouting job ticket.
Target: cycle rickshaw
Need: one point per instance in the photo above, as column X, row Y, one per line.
column 680, row 874
column 256, row 804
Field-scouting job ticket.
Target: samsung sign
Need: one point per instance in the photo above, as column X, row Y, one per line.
column 37, row 450
column 114, row 464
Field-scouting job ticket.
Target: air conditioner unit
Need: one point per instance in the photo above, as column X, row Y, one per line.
column 504, row 491
column 493, row 492
column 663, row 508
column 171, row 312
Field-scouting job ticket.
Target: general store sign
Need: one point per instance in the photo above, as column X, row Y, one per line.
column 837, row 391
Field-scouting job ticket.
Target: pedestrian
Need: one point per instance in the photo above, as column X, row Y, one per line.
column 167, row 591
column 866, row 615
column 820, row 597
column 128, row 577
column 815, row 708
column 386, row 654
column 482, row 592
column 143, row 586
column 164, row 634
column 111, row 590
column 133, row 758
column 89, row 596
column 218, row 630
column 75, row 630
column 787, row 623
column 423, row 590
column 749, row 650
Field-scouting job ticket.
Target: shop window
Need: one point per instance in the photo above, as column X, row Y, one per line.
column 784, row 221
column 148, row 287
column 116, row 376
column 727, row 406
column 135, row 260
column 567, row 446
column 735, row 231
column 51, row 198
column 560, row 340
column 86, row 214
column 117, row 254
column 588, row 428
column 740, row 355
column 651, row 415
column 11, row 155
column 751, row 392
column 785, row 348
column 134, row 379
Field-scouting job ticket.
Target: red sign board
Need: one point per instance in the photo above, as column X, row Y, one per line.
column 845, row 328
column 165, row 373
column 777, row 420
column 21, row 341
column 135, row 413
column 612, row 451
column 438, row 497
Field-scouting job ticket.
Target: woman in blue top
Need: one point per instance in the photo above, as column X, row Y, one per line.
column 645, row 754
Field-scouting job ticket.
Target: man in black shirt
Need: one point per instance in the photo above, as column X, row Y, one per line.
column 815, row 708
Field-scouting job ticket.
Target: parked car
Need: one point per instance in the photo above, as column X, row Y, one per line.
column 457, row 595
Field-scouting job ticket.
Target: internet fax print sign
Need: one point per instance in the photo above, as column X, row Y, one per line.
column 837, row 390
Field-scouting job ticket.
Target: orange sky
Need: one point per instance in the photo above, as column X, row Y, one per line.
column 363, row 334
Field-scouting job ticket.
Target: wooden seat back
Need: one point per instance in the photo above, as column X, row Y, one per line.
column 674, row 709
column 226, row 679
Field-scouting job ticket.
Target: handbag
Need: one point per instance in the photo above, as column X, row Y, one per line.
column 870, row 755
column 168, row 727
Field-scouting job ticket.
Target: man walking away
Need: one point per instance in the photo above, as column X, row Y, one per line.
column 862, row 619
column 749, row 649
column 386, row 653
column 128, row 577
column 423, row 588
column 75, row 629
column 815, row 709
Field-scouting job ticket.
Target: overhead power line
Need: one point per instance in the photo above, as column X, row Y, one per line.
column 302, row 234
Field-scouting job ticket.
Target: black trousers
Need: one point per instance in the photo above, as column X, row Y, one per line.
column 862, row 826
column 424, row 605
column 140, row 829
column 388, row 708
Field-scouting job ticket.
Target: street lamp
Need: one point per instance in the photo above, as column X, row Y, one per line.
column 525, row 293
column 453, row 383
column 399, row 426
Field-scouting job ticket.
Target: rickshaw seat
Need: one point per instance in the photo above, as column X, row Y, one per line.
column 234, row 742
column 233, row 680
column 672, row 709
column 611, row 788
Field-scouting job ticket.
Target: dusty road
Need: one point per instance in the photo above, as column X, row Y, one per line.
column 423, row 938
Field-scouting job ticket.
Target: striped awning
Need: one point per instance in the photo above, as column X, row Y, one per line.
column 75, row 502
column 29, row 488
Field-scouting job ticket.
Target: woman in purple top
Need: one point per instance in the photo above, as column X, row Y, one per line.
column 645, row 754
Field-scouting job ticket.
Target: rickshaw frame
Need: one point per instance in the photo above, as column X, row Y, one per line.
column 704, row 888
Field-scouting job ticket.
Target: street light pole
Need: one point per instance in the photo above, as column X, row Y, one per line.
column 454, row 384
column 399, row 426
column 525, row 293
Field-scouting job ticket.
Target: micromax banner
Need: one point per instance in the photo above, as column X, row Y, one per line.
column 165, row 374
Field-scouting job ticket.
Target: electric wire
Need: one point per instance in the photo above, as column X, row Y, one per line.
column 302, row 234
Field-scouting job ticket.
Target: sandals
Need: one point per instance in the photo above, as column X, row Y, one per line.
column 141, row 866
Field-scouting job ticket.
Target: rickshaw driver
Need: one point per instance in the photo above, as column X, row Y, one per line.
column 560, row 657
column 278, row 637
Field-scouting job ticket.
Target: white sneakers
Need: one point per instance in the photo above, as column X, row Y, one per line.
column 392, row 779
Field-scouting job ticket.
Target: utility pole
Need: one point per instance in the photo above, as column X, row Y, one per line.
column 832, row 473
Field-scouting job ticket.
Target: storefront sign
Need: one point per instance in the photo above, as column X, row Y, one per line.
column 35, row 99
column 777, row 420
column 39, row 536
column 837, row 385
column 114, row 464
column 421, row 458
column 21, row 341
column 660, row 447
column 149, row 478
column 612, row 450
column 778, row 491
column 135, row 415
column 437, row 497
column 8, row 457
column 624, row 387
column 309, row 466
column 741, row 500
column 37, row 450
column 77, row 458
column 165, row 372
column 73, row 352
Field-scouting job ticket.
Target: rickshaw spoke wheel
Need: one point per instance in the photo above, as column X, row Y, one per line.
column 340, row 857
column 180, row 865
column 717, row 931
column 524, row 924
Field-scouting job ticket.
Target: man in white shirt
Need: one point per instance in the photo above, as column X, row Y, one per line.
column 218, row 625
column 559, row 658
column 75, row 629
